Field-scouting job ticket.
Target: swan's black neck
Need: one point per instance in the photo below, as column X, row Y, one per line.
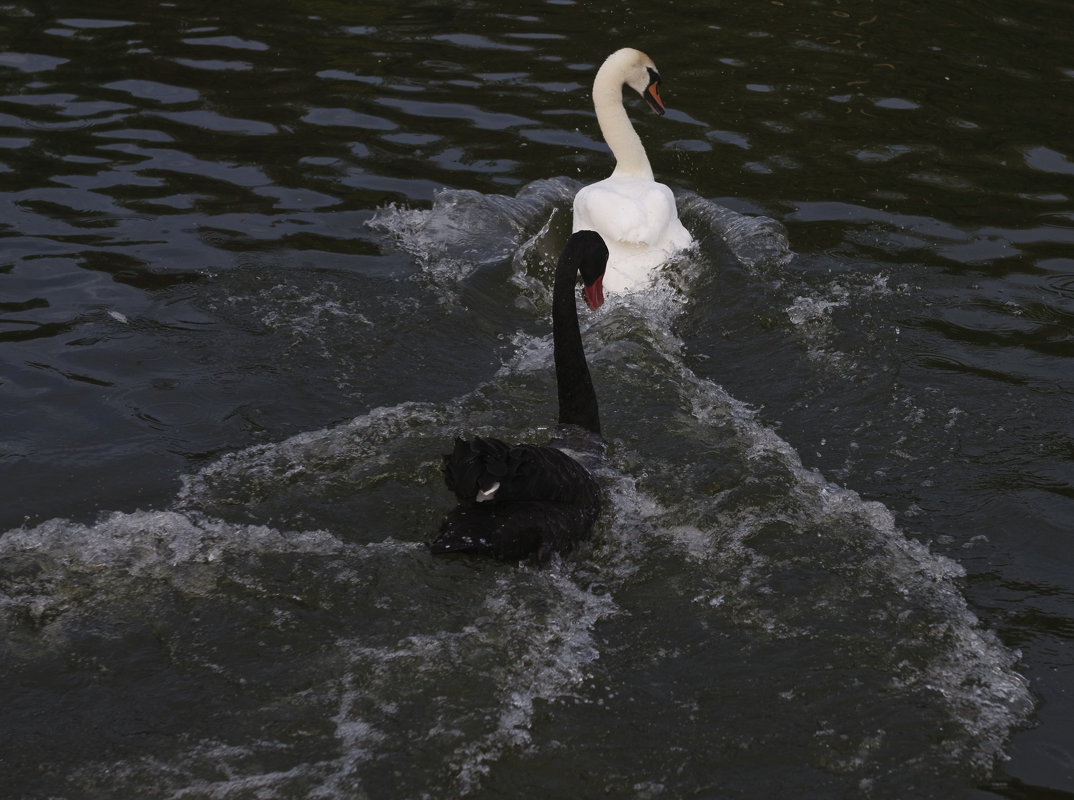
column 577, row 400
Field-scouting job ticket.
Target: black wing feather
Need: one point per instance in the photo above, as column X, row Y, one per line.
column 523, row 472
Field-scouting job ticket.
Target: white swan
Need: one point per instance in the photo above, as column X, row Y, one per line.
column 634, row 214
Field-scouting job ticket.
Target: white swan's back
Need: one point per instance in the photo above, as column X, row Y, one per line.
column 635, row 215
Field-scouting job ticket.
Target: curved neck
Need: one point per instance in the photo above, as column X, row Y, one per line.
column 577, row 400
column 615, row 127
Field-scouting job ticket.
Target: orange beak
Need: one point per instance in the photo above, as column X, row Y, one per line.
column 652, row 96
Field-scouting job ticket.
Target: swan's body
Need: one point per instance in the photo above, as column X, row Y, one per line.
column 521, row 500
column 635, row 215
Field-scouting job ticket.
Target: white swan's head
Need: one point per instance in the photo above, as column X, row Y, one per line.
column 636, row 70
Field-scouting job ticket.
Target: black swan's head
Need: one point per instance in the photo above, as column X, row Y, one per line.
column 589, row 255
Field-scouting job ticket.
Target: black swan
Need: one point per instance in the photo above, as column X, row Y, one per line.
column 522, row 500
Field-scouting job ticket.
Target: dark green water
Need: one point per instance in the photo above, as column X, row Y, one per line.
column 236, row 331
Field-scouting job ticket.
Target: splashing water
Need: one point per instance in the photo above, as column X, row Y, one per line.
column 281, row 630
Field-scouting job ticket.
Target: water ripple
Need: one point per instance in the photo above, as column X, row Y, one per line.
column 164, row 93
column 30, row 62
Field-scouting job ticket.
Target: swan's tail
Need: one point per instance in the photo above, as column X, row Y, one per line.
column 476, row 470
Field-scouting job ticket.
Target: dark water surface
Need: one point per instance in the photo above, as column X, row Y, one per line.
column 239, row 320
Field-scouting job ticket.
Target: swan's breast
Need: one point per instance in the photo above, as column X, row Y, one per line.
column 630, row 210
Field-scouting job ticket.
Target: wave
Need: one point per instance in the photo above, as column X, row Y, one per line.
column 465, row 230
column 281, row 629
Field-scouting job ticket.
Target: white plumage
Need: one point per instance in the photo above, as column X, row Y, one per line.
column 635, row 215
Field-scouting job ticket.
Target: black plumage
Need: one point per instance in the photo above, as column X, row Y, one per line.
column 515, row 501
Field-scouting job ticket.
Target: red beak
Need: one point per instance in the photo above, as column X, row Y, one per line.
column 594, row 293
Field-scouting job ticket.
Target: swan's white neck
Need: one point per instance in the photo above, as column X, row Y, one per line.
column 626, row 146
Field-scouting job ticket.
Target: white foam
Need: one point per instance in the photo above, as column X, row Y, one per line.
column 465, row 230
